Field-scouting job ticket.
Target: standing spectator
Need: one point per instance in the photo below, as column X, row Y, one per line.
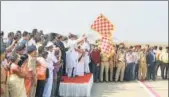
column 57, row 73
column 158, row 60
column 32, row 53
column 104, row 67
column 4, row 85
column 41, row 71
column 34, row 34
column 60, row 44
column 25, row 38
column 155, row 49
column 151, row 64
column 165, row 67
column 130, row 61
column 16, row 78
column 120, row 65
column 95, row 58
column 51, row 60
column 142, row 66
column 10, row 38
column 19, row 34
column 135, row 68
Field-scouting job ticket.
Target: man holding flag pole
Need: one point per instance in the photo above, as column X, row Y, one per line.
column 105, row 28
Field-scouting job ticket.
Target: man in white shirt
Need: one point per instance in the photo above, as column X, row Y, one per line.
column 72, row 65
column 86, row 47
column 51, row 59
column 71, row 59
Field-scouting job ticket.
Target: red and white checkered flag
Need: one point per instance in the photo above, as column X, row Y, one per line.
column 106, row 46
column 102, row 25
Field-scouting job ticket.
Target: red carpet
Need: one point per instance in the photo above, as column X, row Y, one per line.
column 80, row 79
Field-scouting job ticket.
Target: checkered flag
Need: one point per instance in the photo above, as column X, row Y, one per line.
column 107, row 46
column 103, row 26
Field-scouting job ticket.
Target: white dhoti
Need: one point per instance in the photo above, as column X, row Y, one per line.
column 71, row 62
column 80, row 66
column 86, row 64
column 48, row 85
column 86, row 58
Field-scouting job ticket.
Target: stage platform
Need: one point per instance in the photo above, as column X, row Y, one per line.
column 76, row 87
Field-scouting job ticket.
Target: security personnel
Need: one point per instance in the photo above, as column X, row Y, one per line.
column 142, row 65
column 120, row 65
column 112, row 62
column 104, row 66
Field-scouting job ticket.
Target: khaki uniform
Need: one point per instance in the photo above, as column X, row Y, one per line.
column 104, row 66
column 112, row 65
column 142, row 66
column 120, row 66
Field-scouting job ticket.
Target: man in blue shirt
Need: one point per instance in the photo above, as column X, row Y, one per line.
column 151, row 64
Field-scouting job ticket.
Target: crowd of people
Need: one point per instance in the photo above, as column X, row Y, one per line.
column 32, row 64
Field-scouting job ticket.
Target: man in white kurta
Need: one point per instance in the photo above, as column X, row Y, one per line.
column 86, row 47
column 71, row 59
column 73, row 65
column 80, row 64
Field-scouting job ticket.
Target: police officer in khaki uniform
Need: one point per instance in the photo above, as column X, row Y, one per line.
column 120, row 65
column 104, row 66
column 113, row 64
column 142, row 65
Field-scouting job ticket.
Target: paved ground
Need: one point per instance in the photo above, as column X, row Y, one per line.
column 158, row 88
column 131, row 89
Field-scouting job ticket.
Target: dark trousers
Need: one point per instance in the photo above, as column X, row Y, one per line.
column 151, row 71
column 64, row 64
column 165, row 70
column 56, row 83
column 59, row 77
column 91, row 67
column 40, row 88
column 96, row 72
column 129, row 71
column 158, row 64
column 136, row 72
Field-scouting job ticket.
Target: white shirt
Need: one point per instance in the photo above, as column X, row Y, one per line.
column 31, row 42
column 51, row 59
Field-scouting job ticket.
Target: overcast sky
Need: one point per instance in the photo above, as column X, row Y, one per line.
column 139, row 21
